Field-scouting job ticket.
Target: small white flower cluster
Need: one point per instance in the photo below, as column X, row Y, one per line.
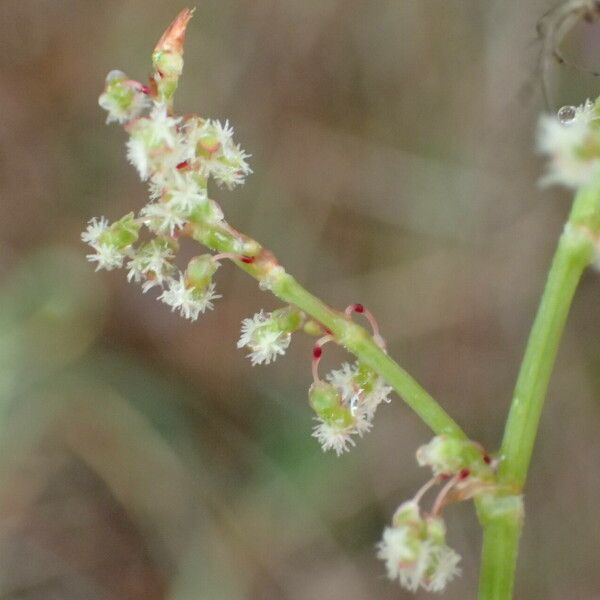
column 189, row 300
column 415, row 551
column 571, row 140
column 359, row 391
column 177, row 157
column 265, row 338
column 148, row 263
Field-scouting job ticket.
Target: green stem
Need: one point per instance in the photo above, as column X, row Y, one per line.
column 357, row 341
column 502, row 528
column 353, row 337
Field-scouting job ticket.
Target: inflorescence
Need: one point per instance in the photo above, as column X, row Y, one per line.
column 177, row 157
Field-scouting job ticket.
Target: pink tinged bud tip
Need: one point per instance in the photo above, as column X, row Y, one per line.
column 173, row 38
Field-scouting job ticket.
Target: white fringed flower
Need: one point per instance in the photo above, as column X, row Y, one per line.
column 189, row 301
column 363, row 402
column 333, row 438
column 265, row 340
column 567, row 143
column 444, row 568
column 417, row 562
column 184, row 193
column 163, row 218
column 138, row 156
column 96, row 227
column 161, row 128
column 151, row 264
column 106, row 257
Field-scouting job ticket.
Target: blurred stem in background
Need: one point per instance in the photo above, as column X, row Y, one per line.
column 502, row 516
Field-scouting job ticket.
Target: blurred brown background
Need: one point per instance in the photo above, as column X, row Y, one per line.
column 393, row 149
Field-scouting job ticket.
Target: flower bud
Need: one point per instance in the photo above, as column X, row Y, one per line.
column 327, row 404
column 408, row 513
column 121, row 233
column 200, row 270
column 167, row 57
column 447, row 455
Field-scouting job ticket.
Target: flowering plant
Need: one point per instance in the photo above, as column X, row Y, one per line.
column 178, row 157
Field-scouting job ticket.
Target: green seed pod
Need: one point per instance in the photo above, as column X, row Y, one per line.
column 200, row 270
column 365, row 378
column 122, row 233
column 323, row 397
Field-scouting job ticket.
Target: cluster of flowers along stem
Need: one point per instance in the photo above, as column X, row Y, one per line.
column 178, row 157
column 414, row 548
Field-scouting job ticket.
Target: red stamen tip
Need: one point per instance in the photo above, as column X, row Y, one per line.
column 464, row 474
column 444, row 476
column 248, row 259
column 317, row 351
column 183, row 165
column 145, row 90
column 487, row 459
column 358, row 308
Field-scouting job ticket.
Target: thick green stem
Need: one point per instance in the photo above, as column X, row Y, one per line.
column 502, row 528
column 353, row 337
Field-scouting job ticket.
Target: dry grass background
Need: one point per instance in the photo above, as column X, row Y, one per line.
column 392, row 142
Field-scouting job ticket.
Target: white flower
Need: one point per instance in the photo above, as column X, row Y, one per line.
column 406, row 559
column 363, row 403
column 188, row 300
column 161, row 128
column 563, row 143
column 417, row 562
column 151, row 264
column 444, row 568
column 379, row 393
column 343, row 380
column 265, row 340
column 223, row 133
column 231, row 170
column 96, row 227
column 137, row 155
column 333, row 438
column 107, row 256
column 162, row 218
column 184, row 192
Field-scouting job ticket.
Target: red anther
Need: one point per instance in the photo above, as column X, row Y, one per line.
column 464, row 474
column 358, row 308
column 183, row 165
column 487, row 459
column 444, row 476
column 248, row 259
column 328, row 331
column 317, row 351
column 145, row 90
